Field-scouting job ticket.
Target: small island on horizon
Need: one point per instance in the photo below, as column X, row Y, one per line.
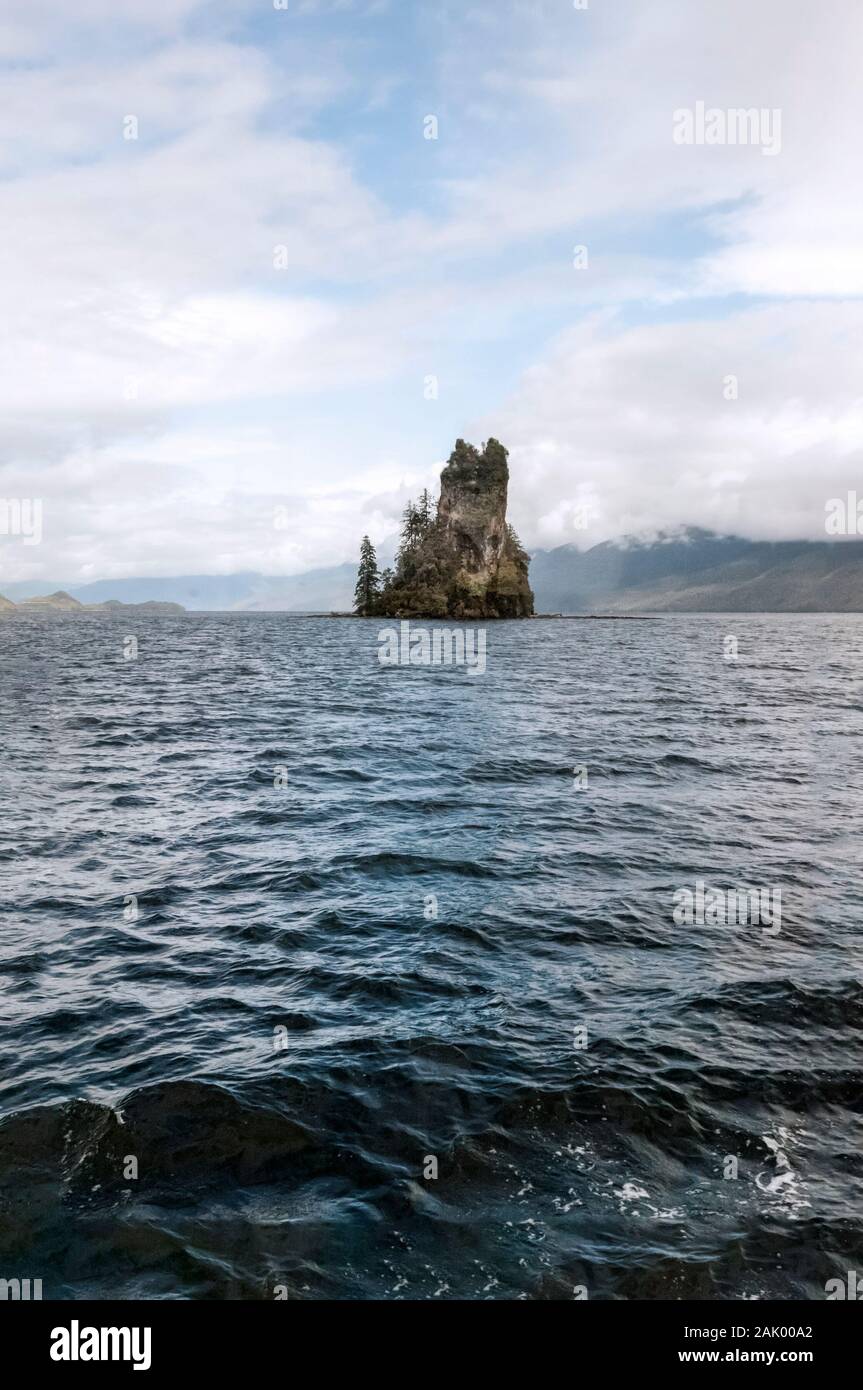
column 459, row 560
column 63, row 603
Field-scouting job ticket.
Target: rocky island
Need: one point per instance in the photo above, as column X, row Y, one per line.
column 462, row 560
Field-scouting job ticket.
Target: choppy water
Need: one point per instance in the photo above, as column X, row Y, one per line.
column 406, row 1036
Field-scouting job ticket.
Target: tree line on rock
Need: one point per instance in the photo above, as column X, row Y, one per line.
column 375, row 587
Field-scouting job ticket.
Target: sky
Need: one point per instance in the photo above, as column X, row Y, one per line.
column 248, row 304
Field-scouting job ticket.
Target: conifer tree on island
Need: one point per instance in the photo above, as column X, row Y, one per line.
column 368, row 580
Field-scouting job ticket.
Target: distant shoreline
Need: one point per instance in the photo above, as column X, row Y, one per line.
column 531, row 618
column 159, row 610
column 63, row 605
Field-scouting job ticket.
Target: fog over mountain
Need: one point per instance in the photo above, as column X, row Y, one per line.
column 697, row 571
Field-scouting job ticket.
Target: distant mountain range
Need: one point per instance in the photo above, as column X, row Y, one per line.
column 324, row 590
column 684, row 571
column 318, row 591
column 696, row 571
column 61, row 602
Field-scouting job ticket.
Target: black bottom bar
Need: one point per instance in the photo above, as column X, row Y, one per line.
column 168, row 1338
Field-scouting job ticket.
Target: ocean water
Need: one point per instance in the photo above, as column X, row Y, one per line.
column 420, row 1022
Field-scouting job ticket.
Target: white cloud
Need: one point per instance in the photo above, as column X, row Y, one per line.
column 142, row 303
column 636, row 426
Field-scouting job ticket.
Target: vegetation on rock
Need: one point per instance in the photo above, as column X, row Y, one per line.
column 461, row 560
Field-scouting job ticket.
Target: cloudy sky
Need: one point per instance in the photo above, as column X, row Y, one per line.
column 244, row 337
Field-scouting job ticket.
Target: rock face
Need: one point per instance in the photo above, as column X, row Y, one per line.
column 468, row 563
column 472, row 507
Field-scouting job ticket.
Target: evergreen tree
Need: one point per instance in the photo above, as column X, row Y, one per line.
column 424, row 510
column 411, row 526
column 368, row 579
column 411, row 534
column 516, row 546
column 417, row 522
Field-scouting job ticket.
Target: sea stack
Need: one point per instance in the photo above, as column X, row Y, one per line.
column 467, row 563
